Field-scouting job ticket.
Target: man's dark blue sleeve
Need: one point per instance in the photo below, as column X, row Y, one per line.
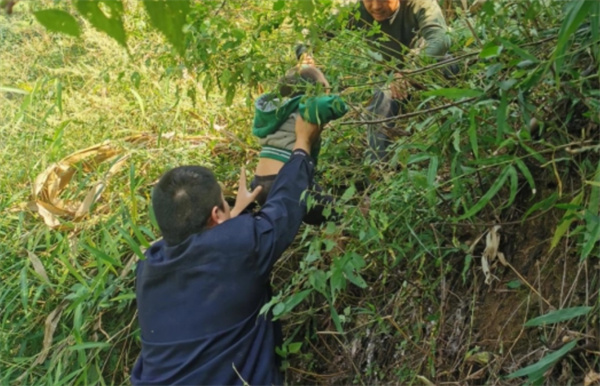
column 278, row 222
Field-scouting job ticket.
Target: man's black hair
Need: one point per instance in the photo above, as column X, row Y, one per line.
column 298, row 80
column 183, row 200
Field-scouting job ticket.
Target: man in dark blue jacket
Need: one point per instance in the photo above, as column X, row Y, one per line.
column 200, row 289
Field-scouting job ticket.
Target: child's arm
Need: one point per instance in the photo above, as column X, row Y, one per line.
column 244, row 197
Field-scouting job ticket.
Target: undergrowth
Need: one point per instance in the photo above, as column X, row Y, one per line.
column 407, row 285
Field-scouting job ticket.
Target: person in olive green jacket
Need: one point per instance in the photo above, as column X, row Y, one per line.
column 409, row 25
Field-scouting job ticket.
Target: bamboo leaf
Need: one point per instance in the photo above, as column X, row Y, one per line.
column 490, row 51
column 542, row 205
column 473, row 133
column 566, row 221
column 518, row 50
column 111, row 22
column 577, row 12
column 592, row 234
column 488, row 195
column 537, row 369
column 89, row 345
column 526, row 173
column 432, row 171
column 514, row 185
column 56, row 20
column 169, row 17
column 454, row 93
column 558, row 316
column 501, row 117
column 592, row 221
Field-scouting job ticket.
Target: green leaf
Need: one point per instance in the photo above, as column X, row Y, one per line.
column 13, row 90
column 169, row 17
column 318, row 281
column 537, row 369
column 348, row 193
column 278, row 5
column 354, row 278
column 59, row 95
column 306, row 7
column 454, row 93
column 514, row 185
column 132, row 243
column 514, row 284
column 128, row 296
column 432, row 171
column 592, row 234
column 501, row 117
column 103, row 256
column 293, row 348
column 577, row 12
column 89, row 345
column 518, row 50
column 490, row 51
column 488, row 195
column 542, row 205
column 566, row 221
column 58, row 21
column 24, row 287
column 558, row 316
column 592, row 221
column 111, row 22
column 526, row 173
column 473, row 133
column 296, row 299
column 278, row 309
column 336, row 319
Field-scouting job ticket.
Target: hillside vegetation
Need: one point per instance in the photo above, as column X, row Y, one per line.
column 471, row 257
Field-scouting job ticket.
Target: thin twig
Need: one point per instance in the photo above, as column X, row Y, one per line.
column 409, row 115
column 524, row 281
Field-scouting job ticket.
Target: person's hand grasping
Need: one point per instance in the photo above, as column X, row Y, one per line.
column 244, row 197
column 399, row 87
column 306, row 134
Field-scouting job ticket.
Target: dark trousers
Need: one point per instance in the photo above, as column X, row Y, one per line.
column 314, row 216
column 381, row 106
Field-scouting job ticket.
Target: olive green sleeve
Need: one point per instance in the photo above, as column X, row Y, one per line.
column 433, row 28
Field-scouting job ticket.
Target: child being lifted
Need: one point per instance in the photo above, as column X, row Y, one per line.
column 303, row 91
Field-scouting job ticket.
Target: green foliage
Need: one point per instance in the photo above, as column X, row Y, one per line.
column 111, row 24
column 58, row 21
column 375, row 295
column 558, row 316
column 169, row 17
column 535, row 372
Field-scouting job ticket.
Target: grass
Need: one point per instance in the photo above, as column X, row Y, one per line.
column 393, row 292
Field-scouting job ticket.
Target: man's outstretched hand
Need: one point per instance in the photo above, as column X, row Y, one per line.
column 399, row 87
column 306, row 134
column 244, row 197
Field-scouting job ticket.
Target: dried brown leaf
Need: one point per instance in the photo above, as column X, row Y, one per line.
column 49, row 327
column 38, row 267
column 492, row 244
column 90, row 198
column 591, row 378
column 51, row 182
column 49, row 218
